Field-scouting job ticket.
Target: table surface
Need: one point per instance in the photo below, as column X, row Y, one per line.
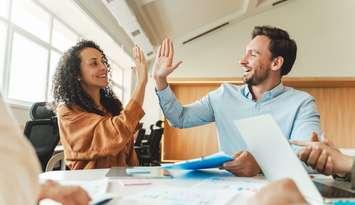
column 182, row 180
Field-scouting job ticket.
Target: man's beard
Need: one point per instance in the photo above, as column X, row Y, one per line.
column 256, row 78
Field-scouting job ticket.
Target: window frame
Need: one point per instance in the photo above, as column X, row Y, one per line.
column 12, row 28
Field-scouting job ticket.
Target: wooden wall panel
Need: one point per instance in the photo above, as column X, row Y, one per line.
column 188, row 143
column 337, row 109
column 335, row 98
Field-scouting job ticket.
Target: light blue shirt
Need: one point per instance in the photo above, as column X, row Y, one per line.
column 295, row 112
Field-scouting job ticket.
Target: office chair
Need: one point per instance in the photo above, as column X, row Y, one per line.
column 141, row 147
column 54, row 160
column 155, row 138
column 148, row 146
column 42, row 131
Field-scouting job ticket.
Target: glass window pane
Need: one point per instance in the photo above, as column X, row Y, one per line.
column 55, row 56
column 3, row 31
column 116, row 74
column 62, row 37
column 28, row 73
column 4, row 8
column 32, row 18
column 118, row 92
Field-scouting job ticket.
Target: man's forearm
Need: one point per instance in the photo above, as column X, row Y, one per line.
column 161, row 83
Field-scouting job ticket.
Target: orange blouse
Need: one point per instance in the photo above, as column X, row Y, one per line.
column 94, row 141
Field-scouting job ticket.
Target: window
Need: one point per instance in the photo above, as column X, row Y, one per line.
column 3, row 31
column 62, row 37
column 33, row 36
column 4, row 8
column 28, row 66
column 116, row 74
column 55, row 56
column 32, row 18
column 117, row 81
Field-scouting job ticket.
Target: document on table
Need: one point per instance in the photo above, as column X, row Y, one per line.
column 97, row 190
column 211, row 191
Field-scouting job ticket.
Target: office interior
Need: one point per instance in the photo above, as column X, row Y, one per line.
column 209, row 37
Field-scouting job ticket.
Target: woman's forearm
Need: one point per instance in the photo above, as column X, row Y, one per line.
column 139, row 91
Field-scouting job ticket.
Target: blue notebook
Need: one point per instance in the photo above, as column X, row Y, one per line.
column 344, row 202
column 211, row 161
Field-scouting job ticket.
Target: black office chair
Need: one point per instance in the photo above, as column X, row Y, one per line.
column 141, row 147
column 42, row 131
column 148, row 146
column 156, row 133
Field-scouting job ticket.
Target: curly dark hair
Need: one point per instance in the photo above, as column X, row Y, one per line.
column 280, row 45
column 66, row 87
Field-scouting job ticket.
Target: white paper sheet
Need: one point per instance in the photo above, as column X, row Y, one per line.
column 274, row 155
column 211, row 191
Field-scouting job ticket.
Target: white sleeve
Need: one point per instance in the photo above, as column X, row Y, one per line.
column 19, row 165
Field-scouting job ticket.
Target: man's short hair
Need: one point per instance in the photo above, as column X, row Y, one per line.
column 280, row 45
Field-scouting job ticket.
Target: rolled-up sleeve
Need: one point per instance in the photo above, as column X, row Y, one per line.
column 198, row 113
column 307, row 121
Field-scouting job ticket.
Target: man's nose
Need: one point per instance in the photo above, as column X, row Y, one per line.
column 242, row 61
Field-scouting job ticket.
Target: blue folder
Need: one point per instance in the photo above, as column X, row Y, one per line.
column 211, row 161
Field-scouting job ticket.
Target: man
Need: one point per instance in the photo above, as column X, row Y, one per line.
column 268, row 56
column 20, row 168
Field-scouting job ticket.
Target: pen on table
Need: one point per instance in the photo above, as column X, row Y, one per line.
column 102, row 202
column 136, row 183
column 133, row 182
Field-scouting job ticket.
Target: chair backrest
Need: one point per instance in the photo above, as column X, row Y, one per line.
column 42, row 131
column 40, row 110
column 140, row 137
column 156, row 134
column 148, row 146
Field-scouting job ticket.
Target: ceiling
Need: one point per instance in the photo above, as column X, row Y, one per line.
column 182, row 20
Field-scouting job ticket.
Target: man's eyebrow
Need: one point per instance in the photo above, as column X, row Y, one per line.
column 255, row 51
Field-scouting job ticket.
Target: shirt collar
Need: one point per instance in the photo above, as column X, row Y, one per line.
column 277, row 90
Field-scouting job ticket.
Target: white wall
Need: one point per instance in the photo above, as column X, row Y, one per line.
column 151, row 105
column 323, row 29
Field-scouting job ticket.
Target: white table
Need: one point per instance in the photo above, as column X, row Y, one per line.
column 181, row 182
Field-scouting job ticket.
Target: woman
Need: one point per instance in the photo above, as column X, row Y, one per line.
column 95, row 130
